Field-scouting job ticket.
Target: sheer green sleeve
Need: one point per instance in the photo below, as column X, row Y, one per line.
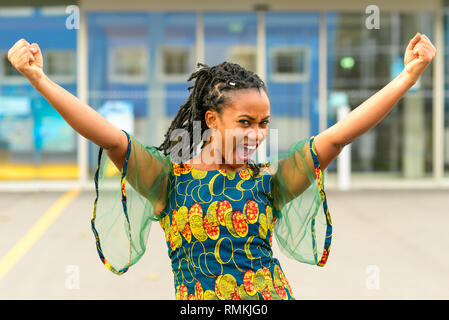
column 127, row 202
column 303, row 227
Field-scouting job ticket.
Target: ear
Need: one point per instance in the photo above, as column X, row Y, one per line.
column 211, row 118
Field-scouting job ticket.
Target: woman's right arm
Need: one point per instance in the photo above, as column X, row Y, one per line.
column 27, row 59
column 144, row 167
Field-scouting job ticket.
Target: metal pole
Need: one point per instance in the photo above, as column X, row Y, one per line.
column 83, row 95
column 261, row 70
column 438, row 97
column 344, row 158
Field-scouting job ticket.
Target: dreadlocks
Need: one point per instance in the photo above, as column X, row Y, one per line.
column 209, row 93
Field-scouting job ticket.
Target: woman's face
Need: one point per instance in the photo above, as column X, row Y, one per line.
column 241, row 126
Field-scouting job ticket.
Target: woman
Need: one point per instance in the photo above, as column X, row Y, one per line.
column 218, row 209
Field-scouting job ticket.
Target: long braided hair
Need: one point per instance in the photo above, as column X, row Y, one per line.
column 211, row 84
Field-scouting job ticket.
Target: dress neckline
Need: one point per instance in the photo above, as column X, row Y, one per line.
column 188, row 167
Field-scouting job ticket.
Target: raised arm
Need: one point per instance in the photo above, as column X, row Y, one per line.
column 27, row 59
column 329, row 143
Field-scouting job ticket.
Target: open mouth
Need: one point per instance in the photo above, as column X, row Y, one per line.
column 245, row 151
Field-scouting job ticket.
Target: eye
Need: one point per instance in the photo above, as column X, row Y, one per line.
column 244, row 121
column 264, row 123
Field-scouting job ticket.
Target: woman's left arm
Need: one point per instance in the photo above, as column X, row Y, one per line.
column 329, row 143
column 293, row 178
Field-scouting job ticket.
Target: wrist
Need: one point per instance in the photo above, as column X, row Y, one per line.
column 37, row 80
column 406, row 79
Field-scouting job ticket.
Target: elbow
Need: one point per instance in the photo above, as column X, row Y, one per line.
column 339, row 146
column 110, row 147
column 116, row 144
column 338, row 143
column 325, row 159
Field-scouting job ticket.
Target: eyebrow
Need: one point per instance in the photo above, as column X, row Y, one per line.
column 248, row 116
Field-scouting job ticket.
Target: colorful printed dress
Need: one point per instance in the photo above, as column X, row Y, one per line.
column 218, row 224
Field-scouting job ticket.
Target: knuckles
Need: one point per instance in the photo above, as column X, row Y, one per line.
column 12, row 52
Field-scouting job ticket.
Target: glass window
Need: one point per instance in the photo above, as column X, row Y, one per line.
column 176, row 63
column 9, row 74
column 289, row 64
column 246, row 56
column 128, row 64
column 60, row 65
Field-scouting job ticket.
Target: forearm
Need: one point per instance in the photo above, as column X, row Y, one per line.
column 81, row 117
column 330, row 142
column 370, row 112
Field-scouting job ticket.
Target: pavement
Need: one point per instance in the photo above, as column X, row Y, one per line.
column 387, row 244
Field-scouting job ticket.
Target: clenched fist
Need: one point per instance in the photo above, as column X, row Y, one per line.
column 418, row 55
column 27, row 59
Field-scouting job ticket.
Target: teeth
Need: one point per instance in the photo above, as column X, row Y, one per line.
column 251, row 148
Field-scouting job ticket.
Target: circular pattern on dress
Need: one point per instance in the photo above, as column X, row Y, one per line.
column 247, row 249
column 181, row 292
column 244, row 174
column 196, row 222
column 210, row 295
column 270, row 221
column 225, row 286
column 229, row 224
column 198, row 291
column 240, row 224
column 174, row 222
column 251, row 210
column 224, row 207
column 198, row 174
column 244, row 294
column 263, row 228
column 211, row 224
column 217, row 251
column 248, row 282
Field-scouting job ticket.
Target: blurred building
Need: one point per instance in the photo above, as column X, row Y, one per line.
column 130, row 60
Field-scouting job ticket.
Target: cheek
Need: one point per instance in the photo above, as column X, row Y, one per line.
column 224, row 142
column 262, row 134
column 230, row 137
column 229, row 144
